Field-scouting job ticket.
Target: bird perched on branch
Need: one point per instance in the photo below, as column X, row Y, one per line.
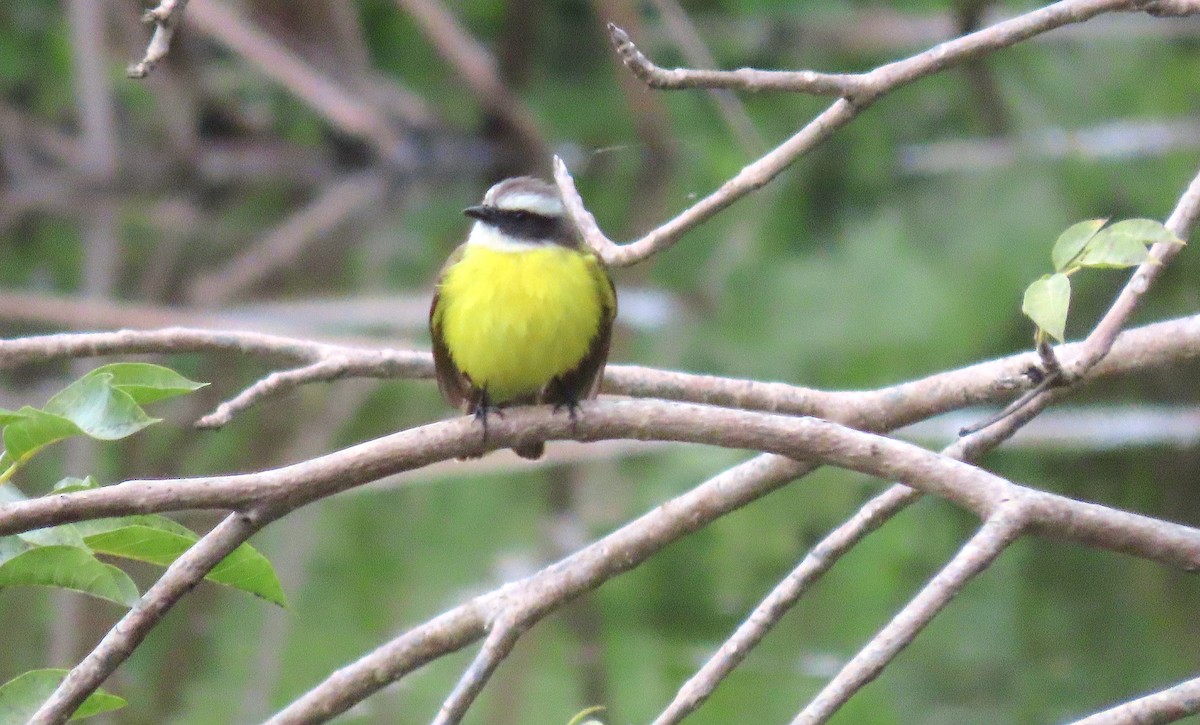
column 523, row 310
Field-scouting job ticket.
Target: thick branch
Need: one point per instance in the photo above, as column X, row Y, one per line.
column 1159, row 344
column 807, row 439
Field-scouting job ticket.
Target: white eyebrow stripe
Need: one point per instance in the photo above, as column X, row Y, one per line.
column 536, row 203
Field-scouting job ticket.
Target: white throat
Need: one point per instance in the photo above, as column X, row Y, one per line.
column 486, row 235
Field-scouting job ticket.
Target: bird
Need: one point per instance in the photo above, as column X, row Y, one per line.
column 522, row 311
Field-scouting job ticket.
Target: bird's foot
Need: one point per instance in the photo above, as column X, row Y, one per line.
column 572, row 407
column 482, row 411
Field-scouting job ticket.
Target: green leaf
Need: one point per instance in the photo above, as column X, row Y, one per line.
column 99, row 409
column 103, row 526
column 142, row 543
column 10, row 546
column 1114, row 249
column 21, row 696
column 1046, row 303
column 34, row 431
column 69, row 567
column 11, row 494
column 1147, row 231
column 70, row 484
column 104, row 404
column 578, row 718
column 62, row 535
column 146, row 383
column 159, row 540
column 1071, row 242
column 10, row 416
column 246, row 569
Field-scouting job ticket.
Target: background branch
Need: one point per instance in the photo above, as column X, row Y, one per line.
column 164, row 17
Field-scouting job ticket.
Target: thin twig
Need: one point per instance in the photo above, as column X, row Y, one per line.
column 165, row 17
column 179, row 578
column 321, row 371
column 783, row 597
column 998, row 531
column 857, row 95
column 745, row 79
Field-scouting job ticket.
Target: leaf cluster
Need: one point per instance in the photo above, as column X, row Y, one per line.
column 1088, row 245
column 104, row 404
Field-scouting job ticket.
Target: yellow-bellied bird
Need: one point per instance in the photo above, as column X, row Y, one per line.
column 523, row 310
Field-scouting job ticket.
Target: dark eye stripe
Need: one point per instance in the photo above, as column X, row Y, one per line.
column 527, row 225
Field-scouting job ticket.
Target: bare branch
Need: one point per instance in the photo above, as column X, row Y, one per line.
column 165, row 17
column 66, row 346
column 1174, row 703
column 807, row 439
column 322, row 371
column 870, row 88
column 495, row 648
column 783, row 597
column 752, row 177
column 745, row 79
column 1000, row 530
column 179, row 578
column 1158, row 344
column 885, row 78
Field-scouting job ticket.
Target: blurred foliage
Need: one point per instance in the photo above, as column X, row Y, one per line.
column 846, row 271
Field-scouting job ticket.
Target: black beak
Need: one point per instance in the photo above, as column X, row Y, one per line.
column 479, row 212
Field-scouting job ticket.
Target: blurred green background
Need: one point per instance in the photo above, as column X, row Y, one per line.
column 226, row 191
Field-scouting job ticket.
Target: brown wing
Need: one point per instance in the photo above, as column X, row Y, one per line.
column 454, row 385
column 584, row 381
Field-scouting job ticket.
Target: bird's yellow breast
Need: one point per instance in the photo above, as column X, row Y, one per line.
column 514, row 320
